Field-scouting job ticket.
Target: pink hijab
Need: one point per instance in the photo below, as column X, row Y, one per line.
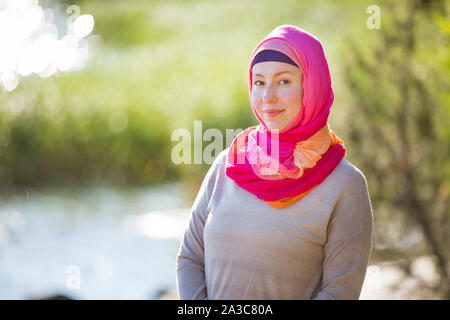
column 281, row 167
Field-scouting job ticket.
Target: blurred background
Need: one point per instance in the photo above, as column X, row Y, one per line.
column 91, row 205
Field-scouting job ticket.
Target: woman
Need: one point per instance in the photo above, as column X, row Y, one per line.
column 280, row 214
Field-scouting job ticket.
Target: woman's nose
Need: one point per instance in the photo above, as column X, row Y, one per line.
column 269, row 95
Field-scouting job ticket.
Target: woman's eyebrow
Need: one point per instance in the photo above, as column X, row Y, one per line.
column 276, row 74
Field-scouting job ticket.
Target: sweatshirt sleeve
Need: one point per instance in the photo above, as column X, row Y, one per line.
column 190, row 268
column 349, row 242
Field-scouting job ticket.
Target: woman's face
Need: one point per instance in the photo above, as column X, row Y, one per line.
column 277, row 93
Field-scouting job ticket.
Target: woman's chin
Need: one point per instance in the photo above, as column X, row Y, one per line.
column 275, row 125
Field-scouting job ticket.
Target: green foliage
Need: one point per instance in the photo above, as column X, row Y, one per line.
column 399, row 128
column 159, row 66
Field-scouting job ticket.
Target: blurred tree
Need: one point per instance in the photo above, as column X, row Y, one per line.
column 399, row 127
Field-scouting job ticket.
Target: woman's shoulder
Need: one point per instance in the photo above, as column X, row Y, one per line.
column 221, row 158
column 348, row 174
column 217, row 165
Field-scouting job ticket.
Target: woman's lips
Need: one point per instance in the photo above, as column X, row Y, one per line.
column 273, row 113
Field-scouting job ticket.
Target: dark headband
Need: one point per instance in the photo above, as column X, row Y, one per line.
column 272, row 55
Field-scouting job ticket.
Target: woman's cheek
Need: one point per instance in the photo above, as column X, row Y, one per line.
column 256, row 100
column 293, row 101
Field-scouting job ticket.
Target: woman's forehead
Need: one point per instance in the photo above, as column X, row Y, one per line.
column 272, row 68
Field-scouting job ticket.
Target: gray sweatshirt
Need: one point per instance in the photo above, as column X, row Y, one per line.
column 237, row 246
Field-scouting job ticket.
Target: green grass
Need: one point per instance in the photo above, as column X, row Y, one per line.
column 159, row 66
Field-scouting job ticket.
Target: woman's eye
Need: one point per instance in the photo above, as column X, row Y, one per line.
column 258, row 82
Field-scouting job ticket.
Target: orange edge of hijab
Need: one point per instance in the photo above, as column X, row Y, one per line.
column 284, row 202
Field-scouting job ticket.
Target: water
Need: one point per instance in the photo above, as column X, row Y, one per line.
column 122, row 244
column 91, row 243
